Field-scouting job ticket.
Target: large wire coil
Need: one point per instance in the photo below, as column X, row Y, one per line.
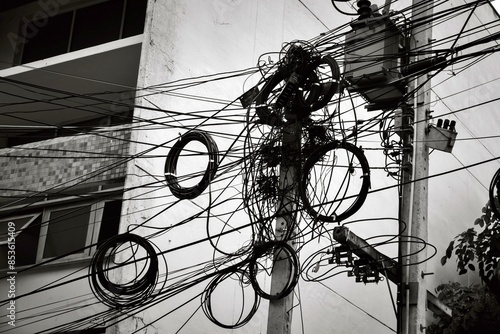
column 276, row 252
column 207, row 295
column 134, row 292
column 320, row 165
column 173, row 158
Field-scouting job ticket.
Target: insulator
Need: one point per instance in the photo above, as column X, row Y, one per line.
column 439, row 123
column 452, row 126
column 446, row 123
column 364, row 10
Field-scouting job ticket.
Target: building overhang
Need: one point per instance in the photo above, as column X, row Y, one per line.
column 71, row 87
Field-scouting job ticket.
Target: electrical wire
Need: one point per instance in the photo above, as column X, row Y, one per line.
column 253, row 148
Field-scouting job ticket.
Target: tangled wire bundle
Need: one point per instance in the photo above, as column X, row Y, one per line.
column 329, row 190
column 280, row 253
column 305, row 81
column 173, row 158
column 206, row 298
column 132, row 293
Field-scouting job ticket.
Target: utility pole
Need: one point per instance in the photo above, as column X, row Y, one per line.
column 413, row 295
column 414, row 213
column 280, row 310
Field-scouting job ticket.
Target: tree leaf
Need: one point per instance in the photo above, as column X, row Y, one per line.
column 462, row 271
column 449, row 249
column 471, row 267
column 443, row 260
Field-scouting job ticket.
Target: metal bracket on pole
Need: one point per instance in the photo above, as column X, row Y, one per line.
column 388, row 266
column 364, row 250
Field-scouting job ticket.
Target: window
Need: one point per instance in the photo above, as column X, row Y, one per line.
column 65, row 230
column 51, row 39
column 24, row 242
column 97, row 24
column 60, row 231
column 81, row 28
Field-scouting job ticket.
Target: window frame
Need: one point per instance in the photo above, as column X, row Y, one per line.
column 33, row 216
column 72, row 8
column 44, row 229
column 93, row 228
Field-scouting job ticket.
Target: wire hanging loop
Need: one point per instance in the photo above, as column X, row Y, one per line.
column 190, row 192
column 208, row 295
column 273, row 252
column 336, row 173
column 137, row 252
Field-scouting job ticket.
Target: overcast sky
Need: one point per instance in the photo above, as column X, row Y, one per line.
column 496, row 4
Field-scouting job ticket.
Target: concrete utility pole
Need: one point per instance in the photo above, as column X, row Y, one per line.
column 280, row 310
column 414, row 201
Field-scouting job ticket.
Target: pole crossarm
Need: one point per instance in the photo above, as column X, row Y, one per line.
column 362, row 249
column 388, row 267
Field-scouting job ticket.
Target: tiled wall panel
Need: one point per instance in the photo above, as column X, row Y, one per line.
column 62, row 162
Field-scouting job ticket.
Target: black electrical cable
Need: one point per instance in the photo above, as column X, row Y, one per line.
column 334, row 3
column 206, row 298
column 261, row 173
column 130, row 294
column 304, row 77
column 321, row 91
column 494, row 194
column 309, row 199
column 173, row 157
column 276, row 251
